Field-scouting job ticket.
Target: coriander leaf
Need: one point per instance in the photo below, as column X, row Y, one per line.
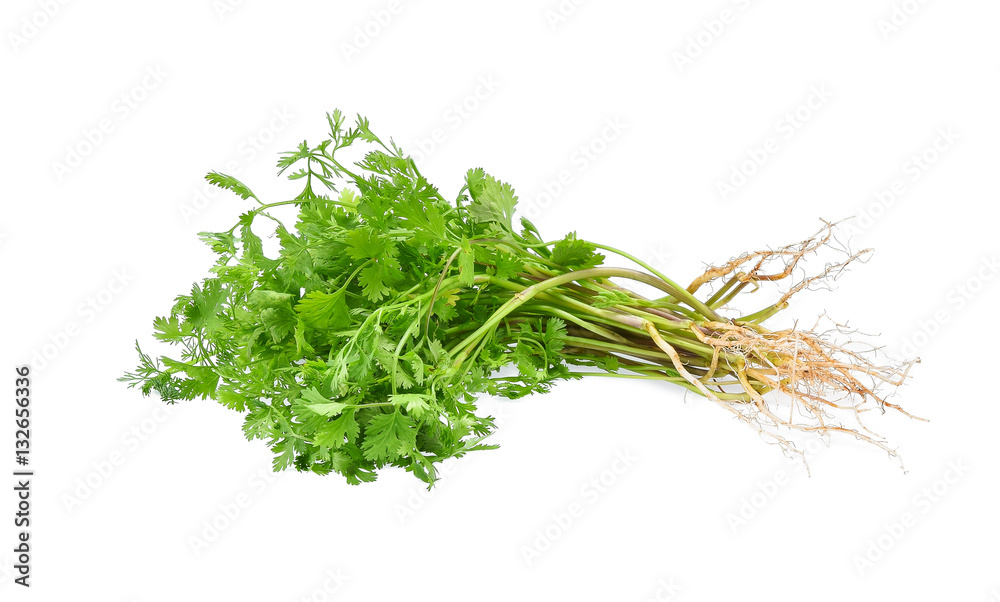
column 375, row 281
column 280, row 322
column 222, row 243
column 334, row 433
column 284, row 453
column 258, row 423
column 302, row 345
column 388, row 435
column 554, row 337
column 466, row 265
column 493, row 201
column 324, row 311
column 252, row 245
column 230, row 183
column 365, row 129
column 365, row 243
column 206, row 310
column 508, row 265
column 576, row 254
column 169, row 329
column 267, row 299
column 232, row 400
column 321, row 404
column 416, row 404
column 295, row 252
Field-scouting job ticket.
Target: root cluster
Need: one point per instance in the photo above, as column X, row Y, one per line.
column 818, row 380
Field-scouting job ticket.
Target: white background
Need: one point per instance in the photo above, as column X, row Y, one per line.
column 131, row 207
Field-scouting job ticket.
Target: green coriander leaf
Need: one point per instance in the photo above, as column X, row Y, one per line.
column 508, row 265
column 466, row 266
column 230, row 183
column 321, row 404
column 252, row 245
column 207, row 309
column 554, row 337
column 493, row 201
column 280, row 322
column 295, row 252
column 365, row 129
column 232, row 400
column 284, row 453
column 169, row 329
column 324, row 311
column 416, row 404
column 365, row 243
column 258, row 424
column 374, row 281
column 267, row 299
column 334, row 433
column 387, row 436
column 302, row 345
column 576, row 254
column 349, row 199
column 222, row 243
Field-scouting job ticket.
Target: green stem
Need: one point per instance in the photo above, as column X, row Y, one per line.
column 461, row 350
column 675, row 289
column 713, row 301
column 763, row 314
column 569, row 317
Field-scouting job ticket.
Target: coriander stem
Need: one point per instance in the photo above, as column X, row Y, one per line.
column 675, row 289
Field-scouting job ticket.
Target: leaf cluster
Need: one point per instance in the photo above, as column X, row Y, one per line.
column 341, row 351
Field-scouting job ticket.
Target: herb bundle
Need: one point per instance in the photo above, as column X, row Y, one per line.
column 388, row 309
